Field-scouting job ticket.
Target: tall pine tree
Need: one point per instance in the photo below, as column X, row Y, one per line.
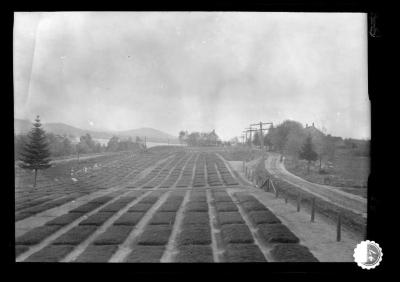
column 308, row 153
column 35, row 154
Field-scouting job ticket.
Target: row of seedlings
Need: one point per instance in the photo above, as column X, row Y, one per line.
column 194, row 240
column 237, row 239
column 226, row 176
column 143, row 163
column 29, row 210
column 272, row 233
column 153, row 173
column 175, row 173
column 116, row 172
column 187, row 173
column 108, row 242
column 163, row 172
column 54, row 176
column 102, row 248
column 151, row 244
column 73, row 191
column 212, row 174
column 56, row 250
column 199, row 179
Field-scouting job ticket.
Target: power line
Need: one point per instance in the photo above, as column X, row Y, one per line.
column 260, row 124
column 250, row 130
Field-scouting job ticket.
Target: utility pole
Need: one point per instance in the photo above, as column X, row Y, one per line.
column 245, row 132
column 242, row 139
column 250, row 130
column 260, row 124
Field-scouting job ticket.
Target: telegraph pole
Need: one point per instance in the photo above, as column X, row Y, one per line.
column 250, row 130
column 245, row 132
column 260, row 124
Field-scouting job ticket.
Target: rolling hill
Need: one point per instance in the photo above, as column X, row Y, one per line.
column 152, row 135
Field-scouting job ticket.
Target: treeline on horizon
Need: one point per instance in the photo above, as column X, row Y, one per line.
column 201, row 139
column 287, row 138
column 290, row 136
column 61, row 145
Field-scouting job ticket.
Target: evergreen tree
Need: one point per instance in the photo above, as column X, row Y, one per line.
column 35, row 154
column 308, row 153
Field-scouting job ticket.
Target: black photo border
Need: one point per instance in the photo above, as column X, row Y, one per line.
column 377, row 229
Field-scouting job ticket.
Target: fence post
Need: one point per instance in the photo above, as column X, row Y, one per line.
column 298, row 202
column 246, row 172
column 339, row 227
column 313, row 210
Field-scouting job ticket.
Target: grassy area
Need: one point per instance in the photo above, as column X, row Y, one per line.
column 240, row 153
column 96, row 167
column 347, row 171
column 329, row 210
column 60, row 171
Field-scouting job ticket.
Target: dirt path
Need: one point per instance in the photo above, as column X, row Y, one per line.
column 345, row 200
column 84, row 157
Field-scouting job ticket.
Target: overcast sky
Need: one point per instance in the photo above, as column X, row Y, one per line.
column 193, row 71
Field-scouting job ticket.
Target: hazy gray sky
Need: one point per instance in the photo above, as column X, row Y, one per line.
column 191, row 70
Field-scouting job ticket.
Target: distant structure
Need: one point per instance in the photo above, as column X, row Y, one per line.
column 310, row 126
column 201, row 138
column 213, row 138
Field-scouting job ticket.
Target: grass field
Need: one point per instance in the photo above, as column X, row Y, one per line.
column 347, row 171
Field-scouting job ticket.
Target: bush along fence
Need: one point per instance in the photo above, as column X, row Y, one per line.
column 303, row 200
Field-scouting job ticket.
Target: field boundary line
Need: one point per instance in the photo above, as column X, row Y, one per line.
column 125, row 248
column 264, row 248
column 216, row 247
column 171, row 247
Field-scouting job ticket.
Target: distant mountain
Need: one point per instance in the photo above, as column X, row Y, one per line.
column 152, row 135
column 23, row 126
